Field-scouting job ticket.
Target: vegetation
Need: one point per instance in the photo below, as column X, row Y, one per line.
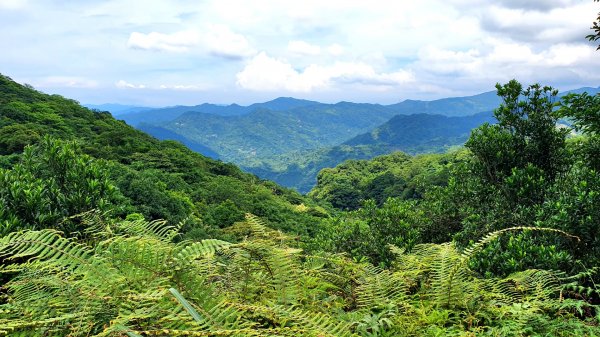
column 160, row 180
column 129, row 278
column 498, row 239
column 289, row 140
column 396, row 175
column 522, row 171
column 411, row 134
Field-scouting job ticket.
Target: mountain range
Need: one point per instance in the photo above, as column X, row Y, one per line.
column 289, row 140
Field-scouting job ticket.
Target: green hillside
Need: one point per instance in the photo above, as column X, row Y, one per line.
column 247, row 139
column 159, row 179
column 396, row 175
column 412, row 134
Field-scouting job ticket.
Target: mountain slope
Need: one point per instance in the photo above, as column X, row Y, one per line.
column 422, row 132
column 453, row 106
column 159, row 179
column 249, row 138
column 413, row 134
column 397, row 174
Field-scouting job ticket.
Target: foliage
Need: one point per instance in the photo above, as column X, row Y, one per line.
column 133, row 280
column 366, row 234
column 383, row 177
column 52, row 182
column 596, row 28
column 522, row 171
column 160, row 180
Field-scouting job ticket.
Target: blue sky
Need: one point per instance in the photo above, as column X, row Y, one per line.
column 159, row 53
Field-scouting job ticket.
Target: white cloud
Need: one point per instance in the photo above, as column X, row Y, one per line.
column 65, row 82
column 175, row 42
column 182, row 87
column 451, row 46
column 499, row 60
column 217, row 40
column 556, row 25
column 126, row 85
column 335, row 49
column 264, row 73
column 303, row 48
column 221, row 41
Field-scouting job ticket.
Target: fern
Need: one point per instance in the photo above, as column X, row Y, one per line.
column 129, row 278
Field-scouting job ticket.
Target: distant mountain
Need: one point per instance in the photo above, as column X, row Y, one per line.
column 421, row 132
column 247, row 139
column 589, row 90
column 165, row 134
column 413, row 134
column 160, row 115
column 454, row 106
column 464, row 106
column 116, row 109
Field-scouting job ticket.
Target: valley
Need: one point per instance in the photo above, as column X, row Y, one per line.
column 289, row 140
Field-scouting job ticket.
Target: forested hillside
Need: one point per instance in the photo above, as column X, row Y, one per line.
column 248, row 138
column 522, row 171
column 412, row 134
column 159, row 180
column 396, row 175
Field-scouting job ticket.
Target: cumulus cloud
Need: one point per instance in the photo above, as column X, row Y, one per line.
column 303, row 48
column 126, row 85
column 220, row 40
column 557, row 25
column 175, row 42
column 441, row 47
column 498, row 60
column 217, row 40
column 65, row 82
column 265, row 73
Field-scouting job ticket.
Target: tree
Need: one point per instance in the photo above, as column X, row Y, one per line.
column 596, row 28
column 51, row 183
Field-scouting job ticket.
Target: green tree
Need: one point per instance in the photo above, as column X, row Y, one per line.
column 596, row 28
column 50, row 183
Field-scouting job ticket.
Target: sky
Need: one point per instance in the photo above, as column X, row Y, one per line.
column 184, row 52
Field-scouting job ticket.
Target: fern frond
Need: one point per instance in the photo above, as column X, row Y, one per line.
column 473, row 249
column 380, row 288
column 259, row 229
column 319, row 322
column 158, row 229
column 45, row 245
column 190, row 251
